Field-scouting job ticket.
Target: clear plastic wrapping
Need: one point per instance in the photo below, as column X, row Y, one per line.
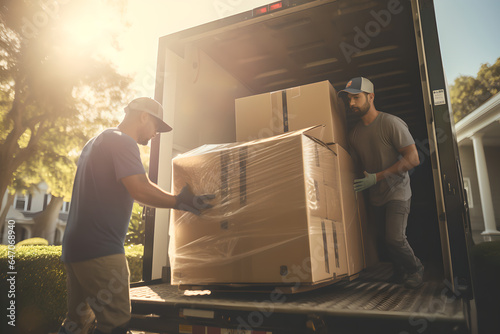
column 276, row 217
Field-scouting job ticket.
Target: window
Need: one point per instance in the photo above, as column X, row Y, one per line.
column 65, row 207
column 21, row 202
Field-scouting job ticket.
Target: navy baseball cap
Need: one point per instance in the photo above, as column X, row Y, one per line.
column 356, row 86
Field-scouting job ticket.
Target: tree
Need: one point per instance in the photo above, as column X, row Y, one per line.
column 468, row 93
column 57, row 91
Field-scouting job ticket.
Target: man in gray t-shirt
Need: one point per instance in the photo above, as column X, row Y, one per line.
column 383, row 146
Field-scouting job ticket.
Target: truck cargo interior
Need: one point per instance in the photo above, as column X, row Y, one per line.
column 201, row 71
column 207, row 68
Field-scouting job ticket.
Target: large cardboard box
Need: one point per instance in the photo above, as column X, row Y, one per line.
column 273, row 227
column 269, row 114
column 339, row 261
column 206, row 171
column 350, row 211
column 369, row 234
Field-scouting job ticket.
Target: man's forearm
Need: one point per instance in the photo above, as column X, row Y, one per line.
column 154, row 196
column 398, row 168
column 146, row 192
column 407, row 162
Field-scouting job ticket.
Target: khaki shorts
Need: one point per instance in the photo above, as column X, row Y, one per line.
column 98, row 289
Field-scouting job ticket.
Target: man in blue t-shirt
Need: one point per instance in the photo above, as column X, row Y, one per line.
column 384, row 147
column 109, row 177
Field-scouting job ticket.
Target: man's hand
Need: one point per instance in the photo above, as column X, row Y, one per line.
column 188, row 201
column 368, row 181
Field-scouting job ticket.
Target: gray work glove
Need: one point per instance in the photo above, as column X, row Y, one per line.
column 188, row 201
column 368, row 181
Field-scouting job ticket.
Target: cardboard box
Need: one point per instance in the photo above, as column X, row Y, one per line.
column 339, row 261
column 328, row 247
column 273, row 228
column 269, row 114
column 350, row 213
column 369, row 236
column 332, row 186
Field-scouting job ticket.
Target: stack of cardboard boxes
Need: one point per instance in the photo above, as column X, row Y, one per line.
column 285, row 210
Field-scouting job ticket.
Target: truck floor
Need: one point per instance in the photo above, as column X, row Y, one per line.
column 367, row 298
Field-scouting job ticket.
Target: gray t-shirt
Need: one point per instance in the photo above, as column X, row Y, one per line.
column 376, row 146
column 101, row 205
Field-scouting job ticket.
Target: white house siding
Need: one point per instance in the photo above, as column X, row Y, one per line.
column 469, row 171
column 478, row 133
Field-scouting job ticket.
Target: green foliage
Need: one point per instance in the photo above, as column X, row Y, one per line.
column 33, row 242
column 57, row 90
column 40, row 285
column 40, row 293
column 136, row 227
column 468, row 93
column 489, row 76
column 134, row 256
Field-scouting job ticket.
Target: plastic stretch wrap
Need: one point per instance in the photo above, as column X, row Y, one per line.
column 276, row 216
column 352, row 211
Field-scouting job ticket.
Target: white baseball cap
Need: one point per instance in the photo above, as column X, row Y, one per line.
column 153, row 108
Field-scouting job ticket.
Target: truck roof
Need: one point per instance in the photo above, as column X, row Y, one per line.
column 332, row 40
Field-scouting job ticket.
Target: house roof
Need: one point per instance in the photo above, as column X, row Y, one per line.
column 484, row 120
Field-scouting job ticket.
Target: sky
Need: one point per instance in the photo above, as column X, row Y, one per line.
column 469, row 35
column 468, row 32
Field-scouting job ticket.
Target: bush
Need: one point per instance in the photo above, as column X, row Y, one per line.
column 134, row 257
column 33, row 242
column 136, row 227
column 40, row 286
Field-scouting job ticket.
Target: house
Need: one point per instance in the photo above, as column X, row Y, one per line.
column 478, row 137
column 27, row 206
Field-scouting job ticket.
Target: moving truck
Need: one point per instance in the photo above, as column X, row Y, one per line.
column 202, row 71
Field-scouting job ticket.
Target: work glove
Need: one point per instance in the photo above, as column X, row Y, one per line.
column 368, row 181
column 188, row 201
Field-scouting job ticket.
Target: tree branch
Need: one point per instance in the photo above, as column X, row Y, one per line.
column 32, row 122
column 10, row 145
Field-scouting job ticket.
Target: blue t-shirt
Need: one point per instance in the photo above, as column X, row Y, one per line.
column 101, row 205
